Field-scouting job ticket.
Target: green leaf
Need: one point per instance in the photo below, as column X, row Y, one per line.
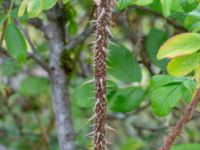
column 47, row 4
column 190, row 146
column 34, row 86
column 15, row 43
column 165, row 98
column 66, row 1
column 22, row 8
column 166, row 91
column 34, row 8
column 84, row 95
column 188, row 5
column 192, row 21
column 179, row 45
column 132, row 144
column 143, row 2
column 190, row 85
column 166, row 7
column 72, row 27
column 183, row 65
column 2, row 20
column 10, row 67
column 158, row 81
column 153, row 45
column 122, row 4
column 127, row 99
column 122, row 65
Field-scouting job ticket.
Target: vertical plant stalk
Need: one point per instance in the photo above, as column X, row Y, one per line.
column 54, row 32
column 187, row 115
column 103, row 18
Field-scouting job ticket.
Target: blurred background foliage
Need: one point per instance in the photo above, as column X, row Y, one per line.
column 138, row 29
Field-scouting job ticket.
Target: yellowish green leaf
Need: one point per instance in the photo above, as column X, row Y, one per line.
column 22, row 8
column 183, row 65
column 180, row 45
column 47, row 4
column 34, row 8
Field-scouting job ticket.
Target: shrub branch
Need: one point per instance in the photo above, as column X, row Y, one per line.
column 185, row 118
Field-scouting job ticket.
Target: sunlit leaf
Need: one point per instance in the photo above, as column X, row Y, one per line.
column 192, row 21
column 22, row 8
column 166, row 7
column 122, row 4
column 47, row 4
column 142, row 2
column 34, row 8
column 179, row 45
column 183, row 65
column 66, row 1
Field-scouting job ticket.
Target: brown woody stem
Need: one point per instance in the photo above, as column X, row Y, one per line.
column 103, row 18
column 188, row 113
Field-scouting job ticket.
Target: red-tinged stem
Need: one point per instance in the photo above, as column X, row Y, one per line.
column 187, row 115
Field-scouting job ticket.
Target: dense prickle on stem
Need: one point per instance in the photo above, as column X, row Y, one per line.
column 103, row 18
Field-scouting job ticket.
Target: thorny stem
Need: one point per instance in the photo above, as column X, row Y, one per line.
column 187, row 115
column 103, row 18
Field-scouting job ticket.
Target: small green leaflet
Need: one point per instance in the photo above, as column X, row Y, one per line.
column 166, row 7
column 22, row 8
column 15, row 43
column 143, row 2
column 127, row 99
column 10, row 67
column 122, row 65
column 166, row 92
column 34, row 8
column 2, row 20
column 39, row 86
column 66, row 1
column 180, row 45
column 189, row 5
column 47, row 4
column 72, row 27
column 161, row 80
column 83, row 95
column 192, row 21
column 189, row 146
column 153, row 44
column 132, row 143
column 122, row 4
column 183, row 65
